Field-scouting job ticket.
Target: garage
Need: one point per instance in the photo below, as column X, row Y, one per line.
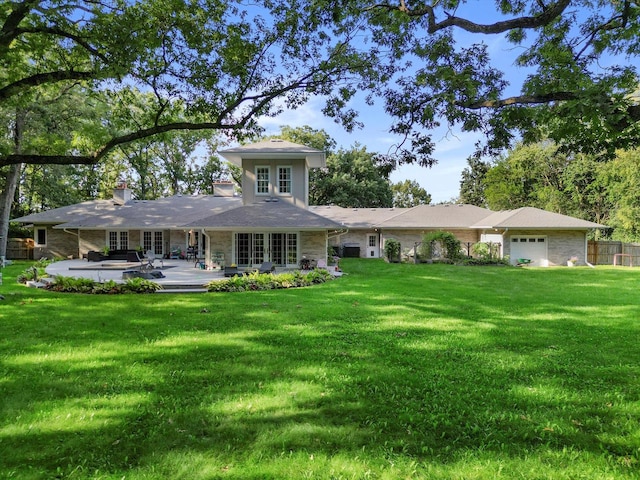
column 531, row 247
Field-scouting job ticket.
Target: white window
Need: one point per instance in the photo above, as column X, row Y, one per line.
column 152, row 241
column 262, row 180
column 118, row 240
column 41, row 236
column 284, row 180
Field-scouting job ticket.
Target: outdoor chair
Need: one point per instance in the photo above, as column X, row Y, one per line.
column 149, row 258
column 266, row 267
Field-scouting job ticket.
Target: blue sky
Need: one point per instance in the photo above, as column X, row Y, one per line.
column 453, row 147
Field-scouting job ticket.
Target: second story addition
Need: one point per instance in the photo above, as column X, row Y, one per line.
column 275, row 169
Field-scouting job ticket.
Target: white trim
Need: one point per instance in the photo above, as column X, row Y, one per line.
column 290, row 169
column 255, row 173
column 35, row 234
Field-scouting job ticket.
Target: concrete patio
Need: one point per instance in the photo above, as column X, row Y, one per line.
column 178, row 274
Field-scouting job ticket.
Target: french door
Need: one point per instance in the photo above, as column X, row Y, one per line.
column 254, row 248
column 153, row 240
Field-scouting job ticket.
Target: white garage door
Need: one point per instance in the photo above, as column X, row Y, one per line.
column 531, row 247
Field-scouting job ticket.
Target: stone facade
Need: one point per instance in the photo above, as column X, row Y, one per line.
column 561, row 244
column 60, row 244
column 313, row 245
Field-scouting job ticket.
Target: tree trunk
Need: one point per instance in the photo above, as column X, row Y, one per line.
column 11, row 184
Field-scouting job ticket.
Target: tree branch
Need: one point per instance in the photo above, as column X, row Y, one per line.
column 547, row 15
column 99, row 153
column 43, row 78
column 520, row 100
column 10, row 31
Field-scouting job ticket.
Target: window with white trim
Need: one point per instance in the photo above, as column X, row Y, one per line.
column 284, row 180
column 118, row 240
column 262, row 180
column 41, row 236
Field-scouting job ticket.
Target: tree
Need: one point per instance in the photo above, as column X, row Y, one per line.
column 351, row 179
column 409, row 193
column 225, row 63
column 529, row 175
column 571, row 93
column 472, row 183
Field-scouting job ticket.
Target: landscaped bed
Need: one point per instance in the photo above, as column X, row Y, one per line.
column 395, row 371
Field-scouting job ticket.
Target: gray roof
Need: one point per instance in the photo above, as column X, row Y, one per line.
column 534, row 218
column 68, row 213
column 275, row 149
column 419, row 217
column 266, row 215
column 169, row 212
column 356, row 217
column 436, row 217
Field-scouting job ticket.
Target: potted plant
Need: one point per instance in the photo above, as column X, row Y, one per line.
column 572, row 262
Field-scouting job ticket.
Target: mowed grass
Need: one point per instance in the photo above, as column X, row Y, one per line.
column 390, row 372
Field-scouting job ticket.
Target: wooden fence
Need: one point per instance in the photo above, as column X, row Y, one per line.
column 20, row 249
column 602, row 253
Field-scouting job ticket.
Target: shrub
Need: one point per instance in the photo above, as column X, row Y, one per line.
column 35, row 271
column 140, row 285
column 450, row 245
column 392, row 250
column 71, row 285
column 256, row 281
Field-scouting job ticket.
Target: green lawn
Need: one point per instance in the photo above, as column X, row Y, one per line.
column 392, row 371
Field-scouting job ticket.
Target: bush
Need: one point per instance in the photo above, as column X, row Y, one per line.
column 35, row 271
column 449, row 243
column 140, row 285
column 256, row 281
column 71, row 285
column 86, row 285
column 392, row 250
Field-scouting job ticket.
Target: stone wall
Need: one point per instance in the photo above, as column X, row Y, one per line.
column 60, row 244
column 313, row 245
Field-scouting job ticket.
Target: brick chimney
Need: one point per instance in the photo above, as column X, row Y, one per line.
column 121, row 194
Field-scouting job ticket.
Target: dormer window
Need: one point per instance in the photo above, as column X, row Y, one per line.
column 262, row 180
column 284, row 180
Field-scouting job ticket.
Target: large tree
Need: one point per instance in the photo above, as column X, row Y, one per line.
column 577, row 82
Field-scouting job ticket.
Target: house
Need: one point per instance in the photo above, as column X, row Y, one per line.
column 544, row 237
column 270, row 222
column 273, row 221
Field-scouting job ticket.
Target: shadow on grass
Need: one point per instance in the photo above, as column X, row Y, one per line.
column 440, row 366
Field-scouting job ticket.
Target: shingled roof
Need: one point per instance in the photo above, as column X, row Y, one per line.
column 170, row 212
column 534, row 218
column 273, row 214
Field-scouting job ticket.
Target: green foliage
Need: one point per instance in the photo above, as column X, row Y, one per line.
column 392, row 249
column 446, row 242
column 36, row 271
column 85, row 285
column 352, row 179
column 140, row 285
column 409, row 193
column 260, row 281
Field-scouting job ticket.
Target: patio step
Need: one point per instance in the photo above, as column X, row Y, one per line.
column 182, row 289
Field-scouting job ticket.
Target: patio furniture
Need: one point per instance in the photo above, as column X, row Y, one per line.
column 231, row 272
column 266, row 267
column 191, row 253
